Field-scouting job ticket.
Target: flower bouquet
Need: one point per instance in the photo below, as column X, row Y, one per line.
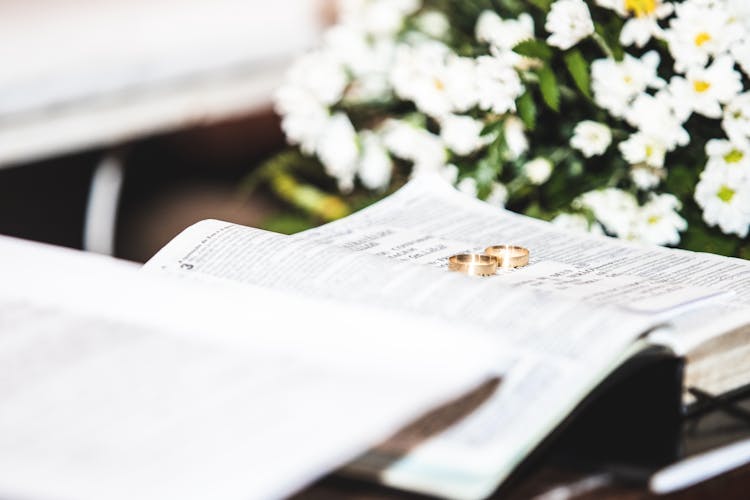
column 624, row 117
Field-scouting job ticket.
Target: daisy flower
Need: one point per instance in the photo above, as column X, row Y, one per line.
column 704, row 90
column 725, row 201
column 613, row 208
column 698, row 32
column 736, row 120
column 658, row 221
column 615, row 84
column 537, row 170
column 640, row 148
column 568, row 22
column 462, row 134
column 655, row 117
column 591, row 138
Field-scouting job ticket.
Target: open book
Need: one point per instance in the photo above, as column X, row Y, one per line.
column 584, row 306
column 120, row 385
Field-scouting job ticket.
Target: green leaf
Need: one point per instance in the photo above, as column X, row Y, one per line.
column 287, row 223
column 550, row 89
column 701, row 238
column 578, row 68
column 534, row 48
column 527, row 110
column 492, row 127
column 608, row 37
column 541, row 4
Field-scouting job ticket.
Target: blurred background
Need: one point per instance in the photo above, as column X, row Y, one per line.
column 123, row 122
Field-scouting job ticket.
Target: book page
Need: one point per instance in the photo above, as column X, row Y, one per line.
column 554, row 350
column 428, row 221
column 519, row 318
column 119, row 385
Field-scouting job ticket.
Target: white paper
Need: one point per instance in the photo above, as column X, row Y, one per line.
column 115, row 384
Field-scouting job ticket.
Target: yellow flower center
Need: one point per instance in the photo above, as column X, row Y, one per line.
column 701, row 85
column 640, row 8
column 702, row 38
column 649, row 151
column 654, row 219
column 438, row 84
column 734, row 156
column 725, row 193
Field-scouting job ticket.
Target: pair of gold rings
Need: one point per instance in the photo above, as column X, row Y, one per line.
column 503, row 256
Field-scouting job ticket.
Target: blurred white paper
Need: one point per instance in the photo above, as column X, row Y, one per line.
column 58, row 51
column 116, row 384
column 81, row 74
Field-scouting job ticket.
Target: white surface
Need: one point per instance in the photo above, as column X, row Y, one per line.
column 120, row 385
column 700, row 468
column 101, row 210
column 56, row 51
column 88, row 73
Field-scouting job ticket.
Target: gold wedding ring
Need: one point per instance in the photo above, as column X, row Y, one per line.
column 509, row 256
column 473, row 264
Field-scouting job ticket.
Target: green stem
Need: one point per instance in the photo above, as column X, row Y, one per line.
column 308, row 198
column 602, row 43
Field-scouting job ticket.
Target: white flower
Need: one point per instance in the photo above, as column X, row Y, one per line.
column 462, row 134
column 641, row 148
column 572, row 222
column 302, row 116
column 616, row 5
column 739, row 12
column 449, row 173
column 467, row 185
column 616, row 84
column 515, row 137
column 369, row 62
column 613, row 208
column 576, row 223
column 436, row 79
column 498, row 195
column 375, row 165
column 645, row 177
column 732, row 158
column 377, row 17
column 425, row 150
column 643, row 24
column 502, row 33
column 321, row 74
column 741, row 53
column 498, row 85
column 363, row 57
column 568, row 21
column 338, row 150
column 314, row 82
column 725, row 201
column 736, row 122
column 591, row 138
column 538, row 170
column 433, row 23
column 698, row 32
column 658, row 222
column 656, row 118
column 703, row 90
